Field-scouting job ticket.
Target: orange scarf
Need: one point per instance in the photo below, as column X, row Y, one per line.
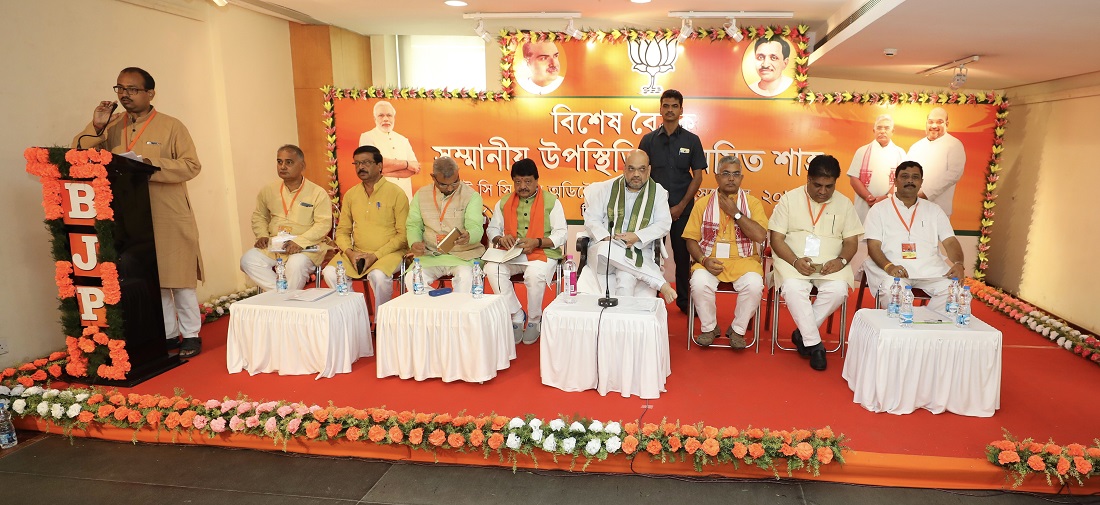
column 537, row 224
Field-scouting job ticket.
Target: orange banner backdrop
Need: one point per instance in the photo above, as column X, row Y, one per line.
column 577, row 140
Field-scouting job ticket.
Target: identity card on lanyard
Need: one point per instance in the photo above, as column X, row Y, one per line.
column 813, row 242
column 908, row 249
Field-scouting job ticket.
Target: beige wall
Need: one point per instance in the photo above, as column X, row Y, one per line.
column 1044, row 246
column 226, row 77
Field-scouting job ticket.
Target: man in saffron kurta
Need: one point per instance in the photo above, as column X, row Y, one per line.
column 533, row 219
column 371, row 232
column 293, row 206
column 722, row 236
column 434, row 211
column 161, row 141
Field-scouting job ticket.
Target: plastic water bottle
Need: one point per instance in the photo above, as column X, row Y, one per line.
column 479, row 280
column 962, row 318
column 570, row 274
column 418, row 278
column 341, row 279
column 953, row 294
column 893, row 307
column 7, row 430
column 280, row 276
column 906, row 313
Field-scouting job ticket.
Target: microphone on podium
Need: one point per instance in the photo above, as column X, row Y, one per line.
column 114, row 105
column 607, row 300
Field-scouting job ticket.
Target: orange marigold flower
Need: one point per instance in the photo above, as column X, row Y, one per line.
column 653, row 447
column 1082, row 465
column 404, row 416
column 460, row 421
column 755, row 433
column 499, row 422
column 133, row 398
column 148, row 402
column 824, row 455
column 360, row 414
column 786, row 436
column 1093, row 452
column 729, row 432
column 1075, row 450
column 396, row 435
column 456, row 440
column 479, row 422
column 710, row 432
column 824, row 433
column 437, row 437
column 442, row 419
column 1063, row 466
column 495, row 441
column 1036, row 463
column 26, row 367
column 116, row 345
column 313, row 429
column 320, row 415
column 669, row 429
column 172, row 421
column 804, row 451
column 181, row 404
column 341, row 413
column 631, row 428
column 692, row 445
column 39, row 376
column 134, row 416
column 477, row 437
column 8, row 372
column 786, row 450
column 104, row 411
column 422, row 417
column 333, row 429
column 711, row 447
column 800, row 435
column 739, row 450
column 153, row 418
column 1004, row 445
column 25, row 381
column 1052, row 449
column 416, row 436
column 85, row 416
column 57, row 355
column 688, row 430
column 1035, row 447
column 674, row 443
column 649, row 429
column 380, row 415
column 86, row 345
column 100, row 338
column 164, row 402
column 376, row 433
column 121, row 413
column 40, row 362
column 187, row 419
column 630, row 444
column 117, row 399
column 756, row 450
column 354, row 433
column 1008, row 457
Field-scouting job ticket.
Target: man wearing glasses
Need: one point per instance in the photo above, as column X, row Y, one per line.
column 161, row 141
column 371, row 230
column 722, row 234
column 434, row 211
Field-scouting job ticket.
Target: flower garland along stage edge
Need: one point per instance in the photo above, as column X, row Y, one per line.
column 1056, row 330
column 217, row 307
column 507, row 438
column 92, row 351
column 1022, row 458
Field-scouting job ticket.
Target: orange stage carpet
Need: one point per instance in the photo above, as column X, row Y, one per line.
column 1040, row 398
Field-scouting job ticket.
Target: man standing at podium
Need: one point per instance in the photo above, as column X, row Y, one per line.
column 162, row 141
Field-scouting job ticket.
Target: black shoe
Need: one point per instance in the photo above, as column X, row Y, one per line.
column 173, row 343
column 683, row 307
column 817, row 358
column 796, row 338
column 190, row 347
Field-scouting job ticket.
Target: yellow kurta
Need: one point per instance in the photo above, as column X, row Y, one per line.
column 309, row 217
column 838, row 221
column 373, row 224
column 735, row 266
column 165, row 143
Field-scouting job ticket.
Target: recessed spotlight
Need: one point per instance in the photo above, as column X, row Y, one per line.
column 456, row 3
column 639, row 1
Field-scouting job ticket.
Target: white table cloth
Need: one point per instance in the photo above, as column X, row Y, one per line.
column 269, row 332
column 630, row 354
column 453, row 337
column 936, row 367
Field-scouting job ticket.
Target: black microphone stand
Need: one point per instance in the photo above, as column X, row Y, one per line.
column 607, row 300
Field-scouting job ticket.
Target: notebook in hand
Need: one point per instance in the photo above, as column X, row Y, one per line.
column 448, row 242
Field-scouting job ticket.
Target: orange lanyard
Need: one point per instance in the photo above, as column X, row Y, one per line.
column 908, row 227
column 126, row 121
column 286, row 208
column 445, row 205
column 810, row 210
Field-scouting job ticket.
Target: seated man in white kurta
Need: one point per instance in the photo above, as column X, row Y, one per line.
column 903, row 238
column 631, row 211
column 434, row 211
column 533, row 219
column 814, row 233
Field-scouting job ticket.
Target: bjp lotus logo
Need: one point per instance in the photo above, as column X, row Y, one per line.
column 653, row 57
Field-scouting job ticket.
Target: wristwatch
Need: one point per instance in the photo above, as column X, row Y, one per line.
column 843, row 261
column 736, row 216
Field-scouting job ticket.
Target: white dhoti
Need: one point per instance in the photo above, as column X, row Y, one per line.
column 704, row 284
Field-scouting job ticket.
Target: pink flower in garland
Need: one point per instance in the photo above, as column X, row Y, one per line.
column 199, row 422
column 236, row 423
column 271, row 426
column 217, row 425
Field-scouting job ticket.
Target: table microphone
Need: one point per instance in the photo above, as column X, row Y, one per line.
column 607, row 300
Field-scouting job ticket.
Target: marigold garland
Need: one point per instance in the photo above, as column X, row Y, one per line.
column 63, row 278
column 1021, row 458
column 112, row 292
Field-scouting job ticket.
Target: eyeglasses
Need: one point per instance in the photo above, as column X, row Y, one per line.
column 729, row 175
column 366, row 163
column 452, row 185
column 127, row 91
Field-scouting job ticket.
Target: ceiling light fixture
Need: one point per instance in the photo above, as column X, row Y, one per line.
column 572, row 31
column 221, row 3
column 733, row 31
column 685, row 30
column 949, row 65
column 456, row 3
column 960, row 77
column 481, row 32
column 639, row 1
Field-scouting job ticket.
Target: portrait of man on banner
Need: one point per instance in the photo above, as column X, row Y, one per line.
column 539, row 70
column 399, row 159
column 767, row 66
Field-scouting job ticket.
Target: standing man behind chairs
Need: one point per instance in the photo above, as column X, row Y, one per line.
column 814, row 232
column 903, row 240
column 943, row 158
column 162, row 141
column 399, row 159
column 721, row 235
column 371, row 231
column 533, row 219
column 678, row 161
column 872, row 170
column 434, row 211
column 293, row 207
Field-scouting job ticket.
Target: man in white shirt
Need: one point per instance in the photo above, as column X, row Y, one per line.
column 399, row 160
column 772, row 57
column 903, row 238
column 943, row 158
column 872, row 176
column 814, row 232
column 542, row 60
column 532, row 219
column 631, row 211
